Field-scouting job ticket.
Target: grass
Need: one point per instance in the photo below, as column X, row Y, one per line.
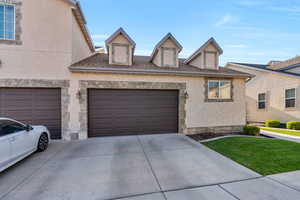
column 264, row 155
column 282, row 131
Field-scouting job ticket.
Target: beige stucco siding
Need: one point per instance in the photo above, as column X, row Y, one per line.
column 274, row 86
column 46, row 50
column 80, row 48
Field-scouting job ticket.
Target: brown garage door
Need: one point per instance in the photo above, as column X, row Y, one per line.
column 132, row 112
column 33, row 106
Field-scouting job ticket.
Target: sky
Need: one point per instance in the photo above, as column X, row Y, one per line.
column 251, row 31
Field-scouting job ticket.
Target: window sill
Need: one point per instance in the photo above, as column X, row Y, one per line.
column 290, row 109
column 261, row 109
column 10, row 42
column 218, row 100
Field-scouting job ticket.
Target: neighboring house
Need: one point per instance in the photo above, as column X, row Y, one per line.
column 111, row 94
column 274, row 92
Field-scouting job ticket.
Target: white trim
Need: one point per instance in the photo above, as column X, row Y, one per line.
column 4, row 21
column 219, row 88
column 263, row 70
column 290, row 98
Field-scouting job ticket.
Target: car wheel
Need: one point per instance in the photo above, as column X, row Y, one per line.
column 43, row 143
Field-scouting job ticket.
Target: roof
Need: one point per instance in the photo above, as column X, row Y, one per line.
column 290, row 67
column 198, row 51
column 287, row 64
column 168, row 36
column 115, row 34
column 143, row 65
column 265, row 68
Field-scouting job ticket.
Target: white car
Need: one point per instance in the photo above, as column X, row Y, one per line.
column 18, row 140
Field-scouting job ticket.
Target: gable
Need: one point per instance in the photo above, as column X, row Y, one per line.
column 120, row 48
column 121, row 39
column 165, row 53
column 206, row 57
column 210, row 46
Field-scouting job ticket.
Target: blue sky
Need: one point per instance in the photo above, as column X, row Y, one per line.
column 254, row 31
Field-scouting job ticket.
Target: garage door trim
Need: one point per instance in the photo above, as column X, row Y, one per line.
column 84, row 85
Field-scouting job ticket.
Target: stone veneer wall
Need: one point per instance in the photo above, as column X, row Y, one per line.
column 18, row 17
column 217, row 129
column 36, row 83
column 84, row 85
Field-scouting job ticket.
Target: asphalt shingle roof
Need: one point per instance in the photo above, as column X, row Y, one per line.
column 99, row 61
column 264, row 67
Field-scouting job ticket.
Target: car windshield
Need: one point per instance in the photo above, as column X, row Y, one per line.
column 8, row 127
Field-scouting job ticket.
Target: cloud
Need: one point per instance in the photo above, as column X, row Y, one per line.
column 227, row 19
column 100, row 36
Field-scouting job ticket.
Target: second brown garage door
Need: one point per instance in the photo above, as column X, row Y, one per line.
column 33, row 106
column 132, row 112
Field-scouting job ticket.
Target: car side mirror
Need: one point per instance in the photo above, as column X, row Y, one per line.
column 28, row 128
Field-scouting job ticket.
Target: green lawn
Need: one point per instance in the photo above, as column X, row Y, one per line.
column 263, row 155
column 282, row 131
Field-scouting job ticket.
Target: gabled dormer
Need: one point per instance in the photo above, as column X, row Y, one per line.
column 165, row 53
column 120, row 48
column 207, row 56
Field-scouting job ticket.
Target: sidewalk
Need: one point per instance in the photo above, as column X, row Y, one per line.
column 280, row 136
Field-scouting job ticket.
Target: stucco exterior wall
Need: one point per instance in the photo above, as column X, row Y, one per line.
column 80, row 48
column 274, row 86
column 46, row 50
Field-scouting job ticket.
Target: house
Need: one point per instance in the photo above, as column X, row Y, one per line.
column 50, row 74
column 274, row 92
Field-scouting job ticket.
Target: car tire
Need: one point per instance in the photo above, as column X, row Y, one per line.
column 43, row 143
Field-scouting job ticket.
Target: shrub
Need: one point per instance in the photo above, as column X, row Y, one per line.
column 251, row 130
column 272, row 123
column 293, row 125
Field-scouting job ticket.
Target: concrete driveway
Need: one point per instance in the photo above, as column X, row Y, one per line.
column 134, row 168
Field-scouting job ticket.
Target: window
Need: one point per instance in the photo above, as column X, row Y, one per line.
column 8, row 127
column 262, row 101
column 290, row 98
column 210, row 60
column 7, row 22
column 219, row 89
column 168, row 57
column 120, row 53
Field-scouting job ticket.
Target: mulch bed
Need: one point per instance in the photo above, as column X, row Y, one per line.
column 205, row 136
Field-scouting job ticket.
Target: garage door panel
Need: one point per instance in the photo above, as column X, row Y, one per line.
column 33, row 106
column 123, row 113
column 131, row 112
